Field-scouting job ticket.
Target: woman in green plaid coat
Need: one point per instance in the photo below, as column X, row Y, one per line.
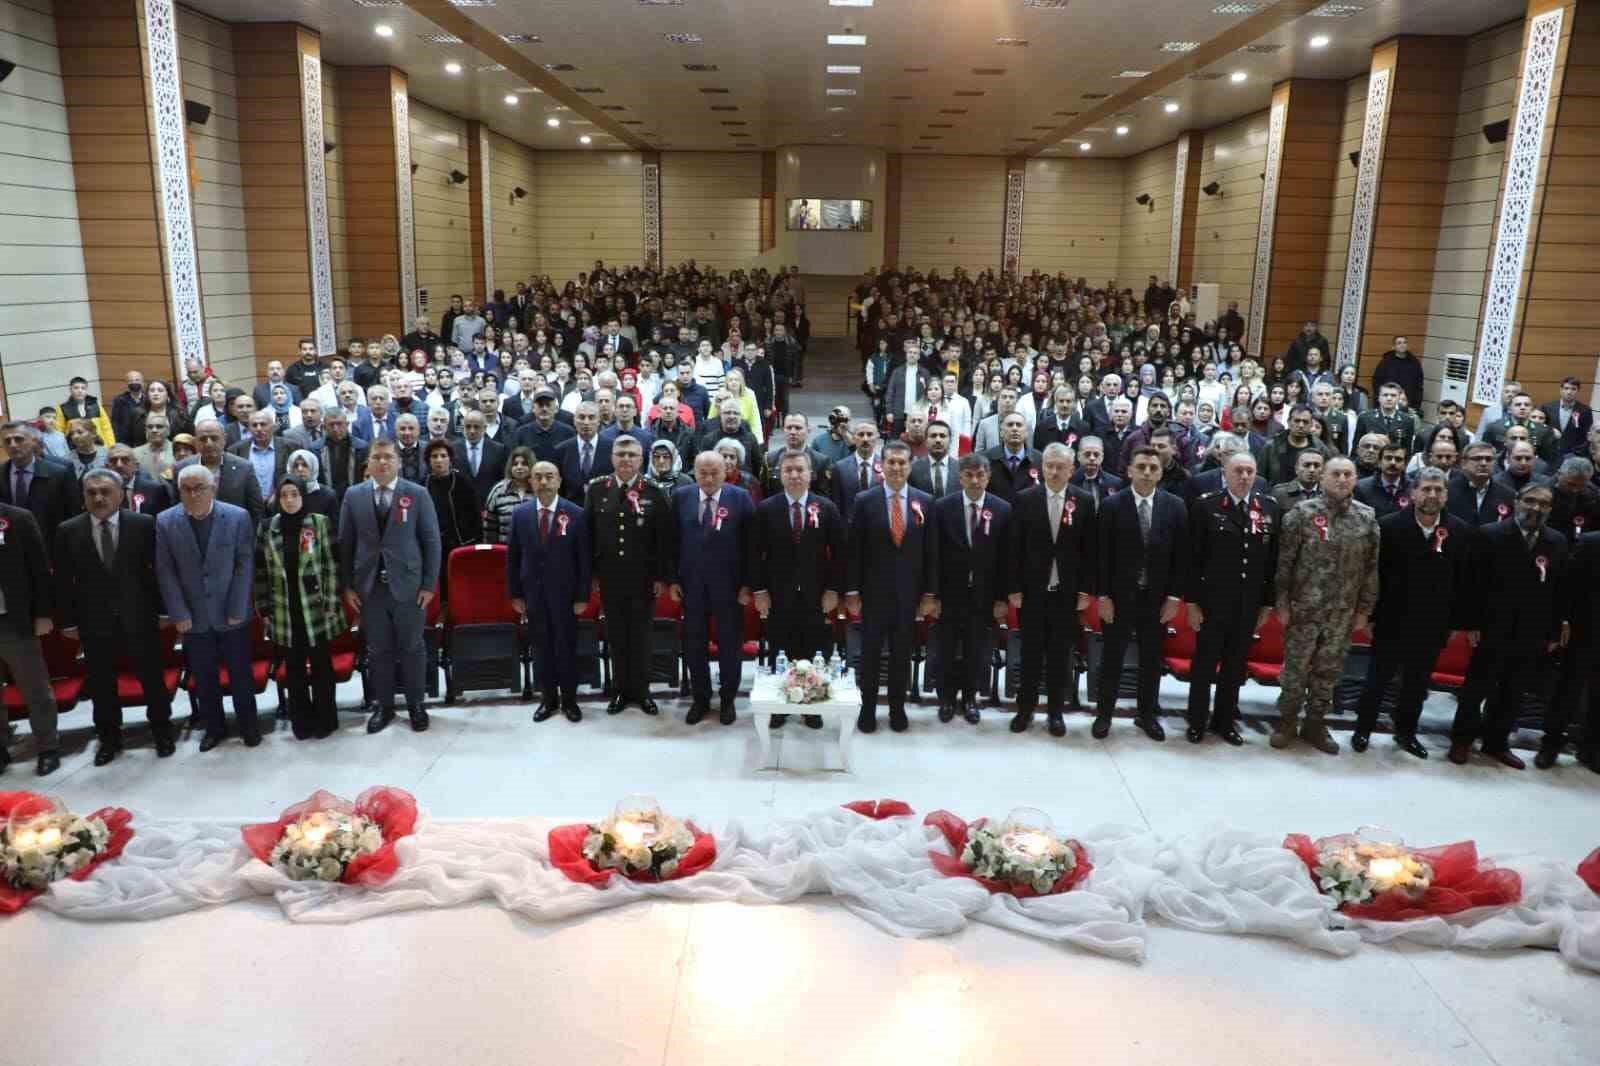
column 297, row 596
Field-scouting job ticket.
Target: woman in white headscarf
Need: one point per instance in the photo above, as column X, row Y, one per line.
column 317, row 499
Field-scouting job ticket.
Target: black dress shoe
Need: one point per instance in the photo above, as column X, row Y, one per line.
column 728, row 715
column 49, row 763
column 813, row 721
column 969, row 713
column 1054, row 722
column 419, row 719
column 867, row 721
column 1101, row 728
column 165, row 748
column 1151, row 726
column 105, row 753
column 546, row 711
column 1544, row 760
column 1410, row 745
column 377, row 723
column 1360, row 740
column 1590, row 759
column 616, row 705
column 778, row 721
column 1021, row 721
column 1231, row 736
column 5, row 758
column 947, row 712
column 1195, row 736
column 897, row 720
column 697, row 712
column 251, row 740
column 211, row 740
column 571, row 709
column 1507, row 758
column 649, row 706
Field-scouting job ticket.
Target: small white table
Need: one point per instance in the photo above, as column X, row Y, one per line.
column 843, row 703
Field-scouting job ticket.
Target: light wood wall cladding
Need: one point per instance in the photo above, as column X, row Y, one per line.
column 206, row 68
column 1189, row 229
column 1466, row 223
column 1305, row 200
column 711, row 208
column 1558, row 317
column 1146, row 242
column 46, row 332
column 338, row 210
column 1071, row 217
column 368, row 260
column 1423, row 97
column 952, row 212
column 893, row 176
column 443, row 210
column 272, row 156
column 1336, row 260
column 769, row 199
column 100, row 43
column 1225, row 225
column 590, row 206
column 516, row 256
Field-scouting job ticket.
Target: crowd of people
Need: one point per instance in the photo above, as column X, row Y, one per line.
column 1038, row 453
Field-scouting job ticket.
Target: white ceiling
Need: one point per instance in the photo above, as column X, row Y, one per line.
column 771, row 56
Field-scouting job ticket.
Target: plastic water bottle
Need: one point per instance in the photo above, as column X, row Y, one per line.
column 818, row 665
column 781, row 667
column 836, row 667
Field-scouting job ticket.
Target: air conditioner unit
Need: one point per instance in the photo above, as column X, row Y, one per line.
column 1457, row 373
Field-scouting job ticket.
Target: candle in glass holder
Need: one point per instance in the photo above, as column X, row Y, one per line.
column 1030, row 842
column 315, row 830
column 50, row 838
column 26, row 840
column 1385, row 871
column 633, row 833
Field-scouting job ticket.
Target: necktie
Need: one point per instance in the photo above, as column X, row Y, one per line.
column 866, row 473
column 1144, row 519
column 108, row 548
column 476, row 455
column 1011, row 463
column 897, row 520
column 383, row 500
column 1055, row 515
column 705, row 512
column 544, row 525
column 972, row 522
column 19, row 487
column 938, row 479
column 587, row 459
column 795, row 524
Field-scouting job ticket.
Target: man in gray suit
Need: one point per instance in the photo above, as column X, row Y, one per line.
column 234, row 478
column 389, row 568
column 205, row 565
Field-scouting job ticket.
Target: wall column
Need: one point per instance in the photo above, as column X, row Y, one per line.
column 1016, row 185
column 481, row 209
column 650, row 195
column 125, row 117
column 1306, row 123
column 893, row 177
column 769, row 201
column 1185, row 206
column 374, row 121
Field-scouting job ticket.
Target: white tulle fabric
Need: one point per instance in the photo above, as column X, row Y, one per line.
column 1223, row 881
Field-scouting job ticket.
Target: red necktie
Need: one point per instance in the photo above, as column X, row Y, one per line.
column 544, row 525
column 897, row 521
column 795, row 525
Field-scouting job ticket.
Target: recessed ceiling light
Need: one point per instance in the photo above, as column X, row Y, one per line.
column 1337, row 11
column 1180, row 46
column 491, row 68
column 849, row 3
column 1171, row 107
column 383, row 29
column 452, row 68
column 1237, row 8
column 586, row 139
column 552, row 122
column 847, row 38
column 511, row 98
column 1122, row 131
column 560, row 66
column 1084, row 146
column 437, row 38
column 1238, row 76
column 836, row 108
column 1134, row 74
column 843, row 68
column 1319, row 41
column 840, row 92
column 521, row 38
column 684, row 38
column 1011, row 42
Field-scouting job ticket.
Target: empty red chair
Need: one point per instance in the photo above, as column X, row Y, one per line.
column 130, row 693
column 1264, row 661
column 1450, row 669
column 66, row 676
column 1177, row 651
column 483, row 647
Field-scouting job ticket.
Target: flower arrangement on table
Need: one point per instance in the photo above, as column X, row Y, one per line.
column 1387, row 881
column 329, row 839
column 1023, row 856
column 804, row 683
column 639, row 841
column 42, row 842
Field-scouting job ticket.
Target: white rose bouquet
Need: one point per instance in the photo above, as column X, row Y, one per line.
column 49, row 847
column 1356, row 872
column 1017, row 855
column 803, row 683
column 321, row 845
column 645, row 843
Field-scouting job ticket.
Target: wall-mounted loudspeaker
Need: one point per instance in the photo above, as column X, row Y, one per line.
column 456, row 177
column 1355, row 159
column 413, row 168
column 1212, row 189
column 328, row 147
column 196, row 112
column 1495, row 132
column 6, row 67
column 1144, row 199
column 519, row 192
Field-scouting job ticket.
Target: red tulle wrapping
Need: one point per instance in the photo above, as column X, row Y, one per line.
column 955, row 834
column 393, row 810
column 119, row 823
column 566, row 855
column 1460, row 883
column 879, row 809
column 1589, row 870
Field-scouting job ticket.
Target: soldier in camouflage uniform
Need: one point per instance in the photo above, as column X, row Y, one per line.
column 1327, row 585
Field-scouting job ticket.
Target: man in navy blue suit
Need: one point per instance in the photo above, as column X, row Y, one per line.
column 583, row 457
column 547, row 572
column 714, row 524
column 973, row 527
column 893, row 577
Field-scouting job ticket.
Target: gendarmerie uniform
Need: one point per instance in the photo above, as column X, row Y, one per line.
column 631, row 526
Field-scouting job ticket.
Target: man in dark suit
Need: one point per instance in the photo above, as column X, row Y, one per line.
column 1570, row 419
column 1053, row 549
column 1580, row 667
column 541, row 430
column 797, row 557
column 482, row 460
column 343, row 456
column 1474, row 496
column 1385, row 492
column 1059, row 425
column 1143, row 539
column 1097, row 412
column 1422, row 555
column 974, row 528
column 267, row 455
column 907, row 386
column 1514, row 612
column 234, row 480
column 547, row 572
column 937, row 473
column 43, row 486
column 29, row 600
column 1091, row 475
column 711, row 578
column 583, row 457
column 1233, row 563
column 389, row 549
column 105, row 569
column 892, row 579
column 141, row 493
column 1012, row 465
column 860, row 470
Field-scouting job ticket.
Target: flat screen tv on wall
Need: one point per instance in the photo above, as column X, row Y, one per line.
column 811, row 213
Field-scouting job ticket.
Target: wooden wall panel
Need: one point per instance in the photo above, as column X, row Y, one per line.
column 769, row 200
column 338, row 209
column 1344, row 188
column 367, row 261
column 443, row 210
column 516, row 253
column 46, row 332
column 589, row 207
column 893, row 178
column 482, row 284
column 1234, row 156
column 711, row 208
column 1071, row 217
column 1146, row 239
column 952, row 212
column 206, row 65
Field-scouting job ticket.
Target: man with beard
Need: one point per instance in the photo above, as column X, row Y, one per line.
column 1283, row 453
column 1091, row 476
column 1385, row 492
column 1159, row 416
column 937, row 473
column 1422, row 558
column 1306, row 485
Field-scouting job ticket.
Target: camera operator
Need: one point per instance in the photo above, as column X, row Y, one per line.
column 834, row 443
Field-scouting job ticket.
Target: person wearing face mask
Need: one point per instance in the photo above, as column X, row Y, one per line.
column 1515, row 615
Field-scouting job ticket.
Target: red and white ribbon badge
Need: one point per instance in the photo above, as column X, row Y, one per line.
column 1503, row 511
column 1255, row 514
column 1033, row 472
column 987, row 516
column 1543, row 563
column 1577, row 522
column 561, row 524
column 5, row 524
column 815, row 514
column 1403, row 501
column 916, row 511
column 722, row 512
column 138, row 500
column 405, row 508
column 1067, row 511
column 633, row 500
column 1438, row 538
column 308, row 540
column 1321, row 522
